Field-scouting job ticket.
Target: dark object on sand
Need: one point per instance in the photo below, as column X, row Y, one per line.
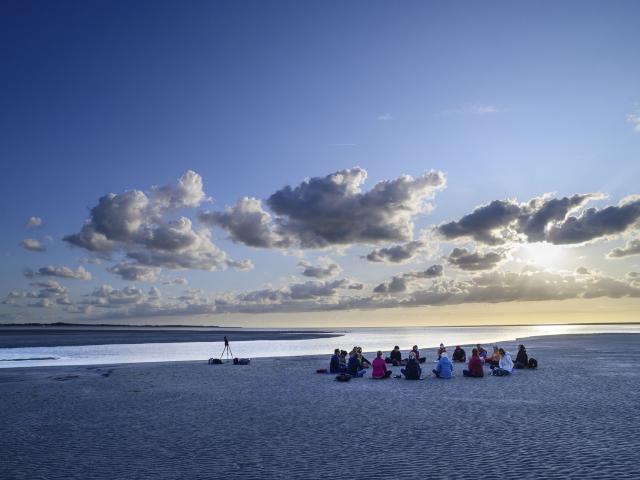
column 343, row 377
column 241, row 361
column 422, row 359
column 321, row 370
column 215, row 361
column 533, row 363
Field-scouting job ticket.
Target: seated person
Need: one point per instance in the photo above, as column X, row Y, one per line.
column 396, row 356
column 380, row 367
column 334, row 364
column 494, row 359
column 343, row 360
column 505, row 366
column 353, row 367
column 459, row 355
column 416, row 352
column 522, row 359
column 474, row 367
column 364, row 363
column 441, row 350
column 412, row 370
column 482, row 353
column 444, row 369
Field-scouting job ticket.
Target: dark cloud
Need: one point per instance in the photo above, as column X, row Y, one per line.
column 333, row 210
column 62, row 272
column 473, row 261
column 135, row 272
column 33, row 245
column 594, row 223
column 325, row 269
column 632, row 247
column 397, row 253
column 540, row 219
column 401, row 283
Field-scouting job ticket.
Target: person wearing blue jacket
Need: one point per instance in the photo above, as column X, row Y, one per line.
column 444, row 369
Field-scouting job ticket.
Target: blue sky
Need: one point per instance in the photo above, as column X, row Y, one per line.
column 508, row 100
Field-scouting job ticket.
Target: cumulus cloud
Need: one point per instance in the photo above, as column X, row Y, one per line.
column 542, row 219
column 326, row 268
column 401, row 253
column 33, row 245
column 330, row 210
column 62, row 272
column 133, row 222
column 632, row 247
column 466, row 260
column 594, row 223
column 247, row 222
column 135, row 272
column 34, row 222
column 333, row 210
column 402, row 283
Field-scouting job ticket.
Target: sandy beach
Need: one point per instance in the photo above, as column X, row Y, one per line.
column 577, row 416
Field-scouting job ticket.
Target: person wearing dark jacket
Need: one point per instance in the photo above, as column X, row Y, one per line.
column 474, row 367
column 334, row 364
column 459, row 355
column 396, row 356
column 522, row 359
column 353, row 367
column 412, row 370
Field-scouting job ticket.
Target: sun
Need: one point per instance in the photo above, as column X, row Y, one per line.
column 542, row 254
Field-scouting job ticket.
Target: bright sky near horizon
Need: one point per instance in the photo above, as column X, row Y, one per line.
column 312, row 163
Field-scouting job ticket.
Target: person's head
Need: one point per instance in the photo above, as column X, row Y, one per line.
column 352, row 353
column 502, row 352
column 474, row 352
column 457, row 347
column 396, row 347
column 343, row 353
column 495, row 348
column 521, row 347
column 415, row 347
column 359, row 350
column 379, row 354
column 479, row 347
column 336, row 351
column 412, row 356
column 443, row 355
column 442, row 345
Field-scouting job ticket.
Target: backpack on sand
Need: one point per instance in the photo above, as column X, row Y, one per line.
column 533, row 363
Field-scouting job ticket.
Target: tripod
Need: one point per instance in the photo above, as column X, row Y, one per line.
column 226, row 349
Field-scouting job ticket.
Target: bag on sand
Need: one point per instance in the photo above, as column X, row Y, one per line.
column 215, row 361
column 343, row 377
column 533, row 363
column 321, row 370
column 241, row 361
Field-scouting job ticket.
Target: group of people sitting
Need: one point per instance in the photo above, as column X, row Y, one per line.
column 499, row 362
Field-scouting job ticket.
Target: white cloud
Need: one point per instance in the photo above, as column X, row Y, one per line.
column 34, row 222
column 33, row 245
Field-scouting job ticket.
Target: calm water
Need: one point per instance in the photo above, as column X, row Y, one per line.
column 370, row 339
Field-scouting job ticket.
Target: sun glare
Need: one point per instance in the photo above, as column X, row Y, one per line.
column 542, row 254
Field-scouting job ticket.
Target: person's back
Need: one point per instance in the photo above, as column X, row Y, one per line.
column 444, row 369
column 354, row 365
column 380, row 367
column 475, row 368
column 334, row 364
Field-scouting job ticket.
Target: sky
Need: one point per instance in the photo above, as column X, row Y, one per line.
column 319, row 163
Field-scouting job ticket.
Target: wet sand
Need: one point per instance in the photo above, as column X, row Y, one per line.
column 577, row 416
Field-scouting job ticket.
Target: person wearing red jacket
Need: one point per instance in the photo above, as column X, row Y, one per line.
column 475, row 367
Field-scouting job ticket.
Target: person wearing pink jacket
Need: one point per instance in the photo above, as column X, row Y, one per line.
column 380, row 367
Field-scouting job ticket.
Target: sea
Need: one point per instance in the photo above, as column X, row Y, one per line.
column 370, row 339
